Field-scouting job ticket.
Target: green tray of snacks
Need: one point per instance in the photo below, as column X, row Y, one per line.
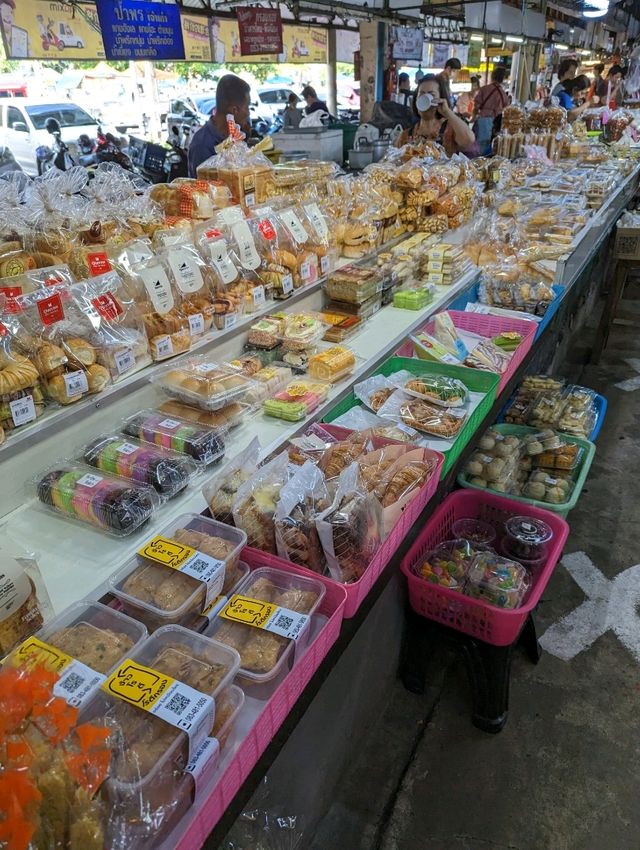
column 579, row 474
column 475, row 380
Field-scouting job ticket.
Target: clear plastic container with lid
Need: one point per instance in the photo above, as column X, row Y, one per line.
column 448, row 564
column 263, row 653
column 332, row 365
column 167, row 472
column 297, row 400
column 160, row 595
column 94, row 634
column 475, row 531
column 106, row 502
column 229, row 704
column 301, row 331
column 202, row 443
column 496, row 580
column 354, row 284
column 205, row 383
column 526, row 540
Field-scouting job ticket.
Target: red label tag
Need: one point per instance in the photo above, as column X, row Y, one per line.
column 51, row 310
column 266, row 228
column 213, row 233
column 108, row 306
column 11, row 291
column 52, row 281
column 98, row 263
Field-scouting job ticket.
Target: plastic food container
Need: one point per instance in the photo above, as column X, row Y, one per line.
column 264, row 654
column 265, row 334
column 353, row 284
column 225, row 417
column 413, row 299
column 302, row 330
column 448, row 564
column 526, row 540
column 94, row 634
column 437, row 389
column 332, row 365
column 205, row 445
column 269, row 380
column 229, row 704
column 111, row 504
column 296, row 401
column 204, row 383
column 159, row 595
column 342, row 326
column 362, row 311
column 475, row 531
column 497, row 580
column 167, row 472
column 548, row 487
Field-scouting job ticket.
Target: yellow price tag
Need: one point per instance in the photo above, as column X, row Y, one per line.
column 251, row 612
column 165, row 551
column 136, row 684
column 35, row 651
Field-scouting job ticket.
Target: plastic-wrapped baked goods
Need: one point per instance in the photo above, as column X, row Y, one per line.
column 424, row 416
column 438, row 389
column 264, row 653
column 302, row 330
column 204, row 383
column 297, row 400
column 267, row 381
column 374, row 391
column 332, row 365
column 338, row 456
column 544, row 486
column 221, row 491
column 204, row 445
column 109, row 503
column 353, row 284
column 158, row 594
column 21, row 397
column 166, row 471
column 22, row 610
column 225, row 417
column 302, row 498
column 255, row 503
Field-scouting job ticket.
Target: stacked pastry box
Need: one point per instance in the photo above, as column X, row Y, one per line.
column 175, row 688
column 478, row 341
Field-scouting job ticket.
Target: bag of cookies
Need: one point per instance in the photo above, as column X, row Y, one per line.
column 368, row 424
column 307, row 268
column 220, row 491
column 195, row 283
column 302, row 499
column 255, row 503
column 219, row 255
column 21, row 395
column 352, row 529
column 24, row 601
column 424, row 416
column 278, row 260
column 317, row 222
column 250, row 289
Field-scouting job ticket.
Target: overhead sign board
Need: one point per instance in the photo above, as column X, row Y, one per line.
column 141, row 29
column 406, row 43
column 260, row 30
column 43, row 29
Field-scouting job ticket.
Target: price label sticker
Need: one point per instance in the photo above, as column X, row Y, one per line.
column 76, row 383
column 89, row 480
column 265, row 615
column 171, row 424
column 317, row 220
column 169, row 699
column 305, row 270
column 258, row 295
column 196, row 324
column 164, row 347
column 126, row 448
column 294, row 226
column 77, row 682
column 125, row 360
column 23, row 410
column 177, row 556
column 230, row 320
column 287, row 284
column 325, row 264
column 250, row 199
column 203, row 761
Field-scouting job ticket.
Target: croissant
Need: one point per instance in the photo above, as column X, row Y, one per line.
column 97, row 378
column 18, row 376
column 50, row 360
column 81, row 353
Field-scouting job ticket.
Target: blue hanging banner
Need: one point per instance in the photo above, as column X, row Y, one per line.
column 141, row 29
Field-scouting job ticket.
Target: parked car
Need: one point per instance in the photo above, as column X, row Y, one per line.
column 190, row 111
column 22, row 127
column 269, row 101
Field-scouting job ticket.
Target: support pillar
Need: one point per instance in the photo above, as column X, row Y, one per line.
column 332, row 86
column 373, row 43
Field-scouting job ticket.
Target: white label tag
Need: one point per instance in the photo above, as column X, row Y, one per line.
column 287, row 284
column 76, row 383
column 222, row 262
column 230, row 320
column 77, row 682
column 23, row 410
column 207, row 569
column 305, row 270
column 138, row 252
column 158, row 288
column 317, row 220
column 189, row 710
column 250, row 199
column 126, row 448
column 185, row 269
column 203, row 762
column 171, row 424
column 287, row 623
column 164, row 347
column 90, row 480
column 196, row 324
column 246, row 246
column 125, row 360
column 294, row 226
column 324, row 264
column 476, row 307
column 258, row 295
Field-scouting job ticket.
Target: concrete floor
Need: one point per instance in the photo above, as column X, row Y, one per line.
column 563, row 774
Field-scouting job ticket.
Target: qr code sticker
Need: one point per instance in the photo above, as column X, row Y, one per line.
column 198, row 566
column 72, row 682
column 283, row 622
column 178, row 704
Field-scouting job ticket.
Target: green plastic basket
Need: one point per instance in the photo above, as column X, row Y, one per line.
column 580, row 473
column 475, row 380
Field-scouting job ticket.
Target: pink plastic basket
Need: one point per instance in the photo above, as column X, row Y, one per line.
column 497, row 626
column 489, row 326
column 206, row 813
column 358, row 590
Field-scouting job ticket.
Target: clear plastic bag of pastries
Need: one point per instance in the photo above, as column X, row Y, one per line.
column 278, row 260
column 21, row 395
column 318, row 224
column 195, row 282
column 116, row 329
column 299, row 237
column 55, row 335
column 159, row 303
column 231, row 285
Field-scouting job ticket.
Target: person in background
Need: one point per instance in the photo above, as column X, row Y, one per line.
column 233, row 96
column 464, row 104
column 598, row 71
column 436, row 120
column 488, row 106
column 418, row 77
column 607, row 88
column 448, row 75
column 575, row 97
column 314, row 104
column 567, row 70
column 291, row 115
column 404, row 95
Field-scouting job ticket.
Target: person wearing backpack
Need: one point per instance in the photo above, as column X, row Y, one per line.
column 488, row 105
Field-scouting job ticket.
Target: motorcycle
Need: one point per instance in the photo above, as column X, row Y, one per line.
column 86, row 151
column 176, row 162
column 109, row 149
column 56, row 156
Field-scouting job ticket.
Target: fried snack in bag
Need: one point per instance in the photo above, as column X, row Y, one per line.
column 256, row 501
column 302, row 498
column 221, row 490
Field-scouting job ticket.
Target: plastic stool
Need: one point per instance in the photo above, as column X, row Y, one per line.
column 488, row 666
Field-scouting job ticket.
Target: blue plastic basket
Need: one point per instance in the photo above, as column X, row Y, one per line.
column 470, row 296
column 599, row 403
